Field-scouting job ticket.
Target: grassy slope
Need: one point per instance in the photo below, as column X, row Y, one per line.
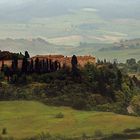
column 28, row 118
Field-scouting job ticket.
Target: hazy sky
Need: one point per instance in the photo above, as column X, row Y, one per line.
column 22, row 10
column 16, row 16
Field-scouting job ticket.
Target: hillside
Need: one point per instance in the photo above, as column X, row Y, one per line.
column 124, row 45
column 34, row 46
column 120, row 50
column 33, row 118
column 42, row 46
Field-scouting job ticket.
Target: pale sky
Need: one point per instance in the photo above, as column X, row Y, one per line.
column 15, row 13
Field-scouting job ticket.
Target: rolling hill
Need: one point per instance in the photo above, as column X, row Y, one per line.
column 33, row 118
column 110, row 51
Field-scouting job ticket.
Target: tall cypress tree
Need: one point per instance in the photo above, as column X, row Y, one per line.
column 27, row 54
column 15, row 64
column 2, row 67
column 25, row 65
column 47, row 65
column 31, row 66
column 37, row 65
column 50, row 66
column 74, row 63
column 40, row 67
column 55, row 66
column 43, row 66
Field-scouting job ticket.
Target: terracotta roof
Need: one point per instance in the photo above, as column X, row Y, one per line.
column 47, row 56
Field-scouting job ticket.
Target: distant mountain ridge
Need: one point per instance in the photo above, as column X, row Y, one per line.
column 34, row 46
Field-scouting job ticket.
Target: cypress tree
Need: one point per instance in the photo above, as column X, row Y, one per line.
column 31, row 66
column 43, row 66
column 27, row 54
column 55, row 66
column 50, row 66
column 2, row 67
column 25, row 65
column 74, row 62
column 37, row 65
column 47, row 66
column 14, row 64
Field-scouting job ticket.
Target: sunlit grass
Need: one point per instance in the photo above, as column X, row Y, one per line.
column 29, row 118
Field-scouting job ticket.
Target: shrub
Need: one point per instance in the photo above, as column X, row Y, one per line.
column 84, row 136
column 105, row 107
column 44, row 136
column 4, row 131
column 59, row 115
column 2, row 76
column 132, row 130
column 96, row 99
column 79, row 104
column 98, row 133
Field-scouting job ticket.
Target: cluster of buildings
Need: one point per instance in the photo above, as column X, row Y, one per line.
column 63, row 60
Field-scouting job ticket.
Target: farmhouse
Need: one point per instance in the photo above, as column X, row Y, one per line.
column 63, row 60
column 9, row 63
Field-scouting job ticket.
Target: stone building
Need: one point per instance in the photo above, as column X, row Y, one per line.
column 63, row 60
column 9, row 63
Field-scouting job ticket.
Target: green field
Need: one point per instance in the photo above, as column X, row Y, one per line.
column 29, row 118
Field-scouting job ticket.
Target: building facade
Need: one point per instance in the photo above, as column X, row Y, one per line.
column 63, row 60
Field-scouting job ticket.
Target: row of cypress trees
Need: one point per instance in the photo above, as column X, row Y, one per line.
column 39, row 66
column 30, row 66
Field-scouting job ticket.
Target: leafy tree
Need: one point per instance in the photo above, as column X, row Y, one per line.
column 7, row 72
column 14, row 79
column 90, row 72
column 136, row 104
column 131, row 61
column 119, row 79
